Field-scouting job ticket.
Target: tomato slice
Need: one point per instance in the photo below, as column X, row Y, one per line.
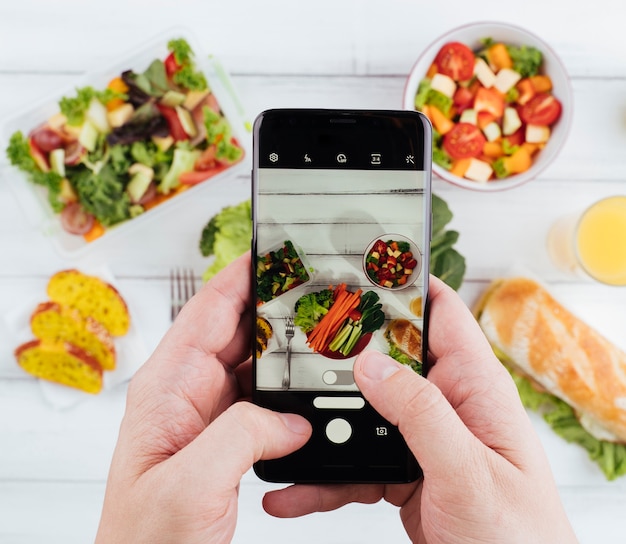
column 464, row 141
column 75, row 220
column 194, row 177
column 456, row 60
column 171, row 66
column 173, row 122
column 543, row 109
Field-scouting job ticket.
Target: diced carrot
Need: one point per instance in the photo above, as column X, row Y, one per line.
column 460, row 166
column 440, row 121
column 526, row 91
column 493, row 150
column 541, row 83
column 96, row 231
column 519, row 162
column 531, row 148
column 116, row 84
column 499, row 57
column 432, row 70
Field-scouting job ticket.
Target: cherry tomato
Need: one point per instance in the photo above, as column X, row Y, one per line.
column 173, row 122
column 46, row 139
column 171, row 66
column 75, row 220
column 456, row 60
column 543, row 109
column 73, row 153
column 149, row 195
column 464, row 141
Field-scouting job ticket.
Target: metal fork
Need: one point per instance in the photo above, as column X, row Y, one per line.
column 289, row 332
column 182, row 288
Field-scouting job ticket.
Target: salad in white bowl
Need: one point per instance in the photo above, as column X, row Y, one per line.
column 499, row 101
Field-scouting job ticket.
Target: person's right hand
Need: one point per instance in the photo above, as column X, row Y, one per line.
column 486, row 477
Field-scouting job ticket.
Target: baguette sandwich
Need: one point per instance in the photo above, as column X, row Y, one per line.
column 405, row 343
column 561, row 365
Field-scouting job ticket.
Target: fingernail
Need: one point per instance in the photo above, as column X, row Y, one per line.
column 377, row 366
column 296, row 423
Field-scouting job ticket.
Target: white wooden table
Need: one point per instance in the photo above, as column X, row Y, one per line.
column 53, row 463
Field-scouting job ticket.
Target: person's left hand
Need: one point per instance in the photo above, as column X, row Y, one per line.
column 185, row 441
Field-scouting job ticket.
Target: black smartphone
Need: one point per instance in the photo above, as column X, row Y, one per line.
column 341, row 205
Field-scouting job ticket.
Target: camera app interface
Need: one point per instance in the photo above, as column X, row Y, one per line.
column 339, row 266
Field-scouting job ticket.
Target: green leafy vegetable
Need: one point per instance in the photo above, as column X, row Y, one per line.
column 218, row 133
column 190, row 78
column 183, row 161
column 74, row 108
column 278, row 271
column 181, row 49
column 18, row 153
column 102, row 194
column 402, row 358
column 186, row 76
column 526, row 59
column 310, row 308
column 445, row 262
column 227, row 236
column 609, row 456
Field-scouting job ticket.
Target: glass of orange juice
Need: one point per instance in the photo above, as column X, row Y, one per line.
column 593, row 243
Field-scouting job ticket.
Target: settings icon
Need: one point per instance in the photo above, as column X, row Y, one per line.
column 274, row 157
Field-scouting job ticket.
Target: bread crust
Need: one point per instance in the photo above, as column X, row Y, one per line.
column 56, row 323
column 61, row 362
column 92, row 297
column 556, row 349
column 407, row 337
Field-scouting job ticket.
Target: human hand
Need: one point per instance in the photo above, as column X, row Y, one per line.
column 185, row 441
column 486, row 477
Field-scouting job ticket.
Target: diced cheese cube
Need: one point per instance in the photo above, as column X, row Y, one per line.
column 484, row 73
column 505, row 79
column 510, row 121
column 492, row 131
column 120, row 115
column 478, row 171
column 194, row 98
column 469, row 116
column 443, row 84
column 537, row 134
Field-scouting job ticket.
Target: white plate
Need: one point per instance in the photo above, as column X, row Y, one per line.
column 130, row 348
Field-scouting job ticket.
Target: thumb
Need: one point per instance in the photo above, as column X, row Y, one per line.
column 240, row 436
column 432, row 429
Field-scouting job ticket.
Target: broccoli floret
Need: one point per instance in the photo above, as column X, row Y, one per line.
column 310, row 308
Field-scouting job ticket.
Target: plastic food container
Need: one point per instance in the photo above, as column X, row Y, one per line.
column 33, row 198
column 296, row 272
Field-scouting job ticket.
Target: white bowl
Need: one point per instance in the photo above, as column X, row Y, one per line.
column 470, row 35
column 415, row 250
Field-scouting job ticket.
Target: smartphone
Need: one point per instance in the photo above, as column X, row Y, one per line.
column 341, row 205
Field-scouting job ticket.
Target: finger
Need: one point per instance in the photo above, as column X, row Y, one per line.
column 210, row 320
column 300, row 500
column 240, row 436
column 452, row 327
column 432, row 429
column 470, row 376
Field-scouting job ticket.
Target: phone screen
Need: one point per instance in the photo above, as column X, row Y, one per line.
column 341, row 209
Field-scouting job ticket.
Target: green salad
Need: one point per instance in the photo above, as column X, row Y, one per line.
column 111, row 154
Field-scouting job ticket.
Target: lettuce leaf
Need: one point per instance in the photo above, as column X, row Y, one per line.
column 610, row 457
